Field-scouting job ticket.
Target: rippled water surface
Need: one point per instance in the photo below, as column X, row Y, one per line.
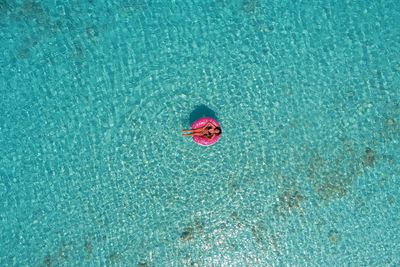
column 94, row 172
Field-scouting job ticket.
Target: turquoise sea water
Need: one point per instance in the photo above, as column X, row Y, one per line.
column 94, row 172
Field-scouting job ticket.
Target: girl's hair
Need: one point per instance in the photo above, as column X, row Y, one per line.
column 220, row 131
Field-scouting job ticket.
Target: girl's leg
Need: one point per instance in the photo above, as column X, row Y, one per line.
column 193, row 134
column 199, row 130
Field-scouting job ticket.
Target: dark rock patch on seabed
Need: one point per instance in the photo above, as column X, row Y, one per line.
column 259, row 233
column 142, row 264
column 88, row 247
column 189, row 232
column 392, row 200
column 369, row 157
column 270, row 241
column 289, row 201
column 390, row 122
column 334, row 236
column 113, row 257
column 332, row 178
column 47, row 261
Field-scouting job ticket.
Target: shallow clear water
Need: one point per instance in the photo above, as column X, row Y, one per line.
column 94, row 172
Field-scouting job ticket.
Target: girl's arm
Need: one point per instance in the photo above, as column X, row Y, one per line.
column 201, row 128
column 212, row 124
column 209, row 123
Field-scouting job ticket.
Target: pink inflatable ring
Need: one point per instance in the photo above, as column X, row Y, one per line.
column 202, row 140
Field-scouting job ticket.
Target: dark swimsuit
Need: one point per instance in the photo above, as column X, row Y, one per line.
column 208, row 135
